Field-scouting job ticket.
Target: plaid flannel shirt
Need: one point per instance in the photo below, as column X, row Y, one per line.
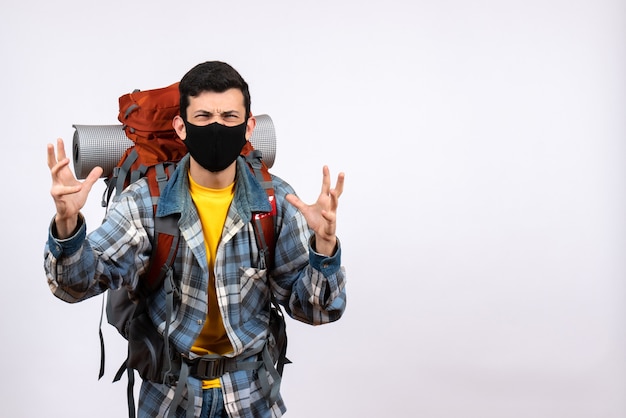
column 310, row 286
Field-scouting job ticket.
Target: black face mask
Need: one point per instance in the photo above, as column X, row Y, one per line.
column 215, row 146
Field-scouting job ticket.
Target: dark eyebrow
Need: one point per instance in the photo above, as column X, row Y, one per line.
column 208, row 113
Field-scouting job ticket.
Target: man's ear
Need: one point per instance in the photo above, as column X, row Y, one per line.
column 179, row 126
column 250, row 126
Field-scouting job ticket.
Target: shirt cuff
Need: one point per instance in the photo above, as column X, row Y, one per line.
column 328, row 265
column 70, row 245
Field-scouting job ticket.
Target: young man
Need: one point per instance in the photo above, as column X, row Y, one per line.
column 224, row 304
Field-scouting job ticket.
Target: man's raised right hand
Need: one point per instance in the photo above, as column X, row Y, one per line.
column 68, row 193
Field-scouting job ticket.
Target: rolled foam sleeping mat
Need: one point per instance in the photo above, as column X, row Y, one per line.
column 104, row 145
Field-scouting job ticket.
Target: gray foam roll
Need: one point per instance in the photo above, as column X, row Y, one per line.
column 104, row 145
column 98, row 145
column 264, row 138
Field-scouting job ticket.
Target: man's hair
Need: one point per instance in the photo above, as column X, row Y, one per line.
column 212, row 76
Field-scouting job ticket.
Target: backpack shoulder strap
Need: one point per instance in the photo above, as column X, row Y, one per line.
column 160, row 273
column 264, row 222
column 265, row 232
column 166, row 238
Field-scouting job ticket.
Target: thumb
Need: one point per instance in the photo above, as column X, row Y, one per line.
column 93, row 177
column 294, row 200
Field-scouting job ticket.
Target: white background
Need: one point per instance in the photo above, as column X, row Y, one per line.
column 483, row 215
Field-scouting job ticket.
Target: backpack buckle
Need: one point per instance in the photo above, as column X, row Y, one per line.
column 208, row 367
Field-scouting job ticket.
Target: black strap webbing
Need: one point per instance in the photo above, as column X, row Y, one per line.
column 125, row 170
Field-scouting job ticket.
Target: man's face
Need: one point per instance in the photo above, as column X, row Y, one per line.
column 226, row 108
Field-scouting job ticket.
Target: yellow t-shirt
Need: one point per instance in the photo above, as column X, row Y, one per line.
column 212, row 206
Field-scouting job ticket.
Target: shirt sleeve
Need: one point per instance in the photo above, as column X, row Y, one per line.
column 69, row 245
column 113, row 255
column 311, row 286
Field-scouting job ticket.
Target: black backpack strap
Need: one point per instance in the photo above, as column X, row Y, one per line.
column 269, row 390
column 162, row 176
column 138, row 173
column 265, row 252
column 130, row 387
column 124, row 171
column 166, row 233
column 171, row 291
column 263, row 222
column 101, row 373
column 255, row 162
column 273, row 358
column 183, row 381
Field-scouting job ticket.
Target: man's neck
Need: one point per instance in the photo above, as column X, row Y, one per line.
column 212, row 180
